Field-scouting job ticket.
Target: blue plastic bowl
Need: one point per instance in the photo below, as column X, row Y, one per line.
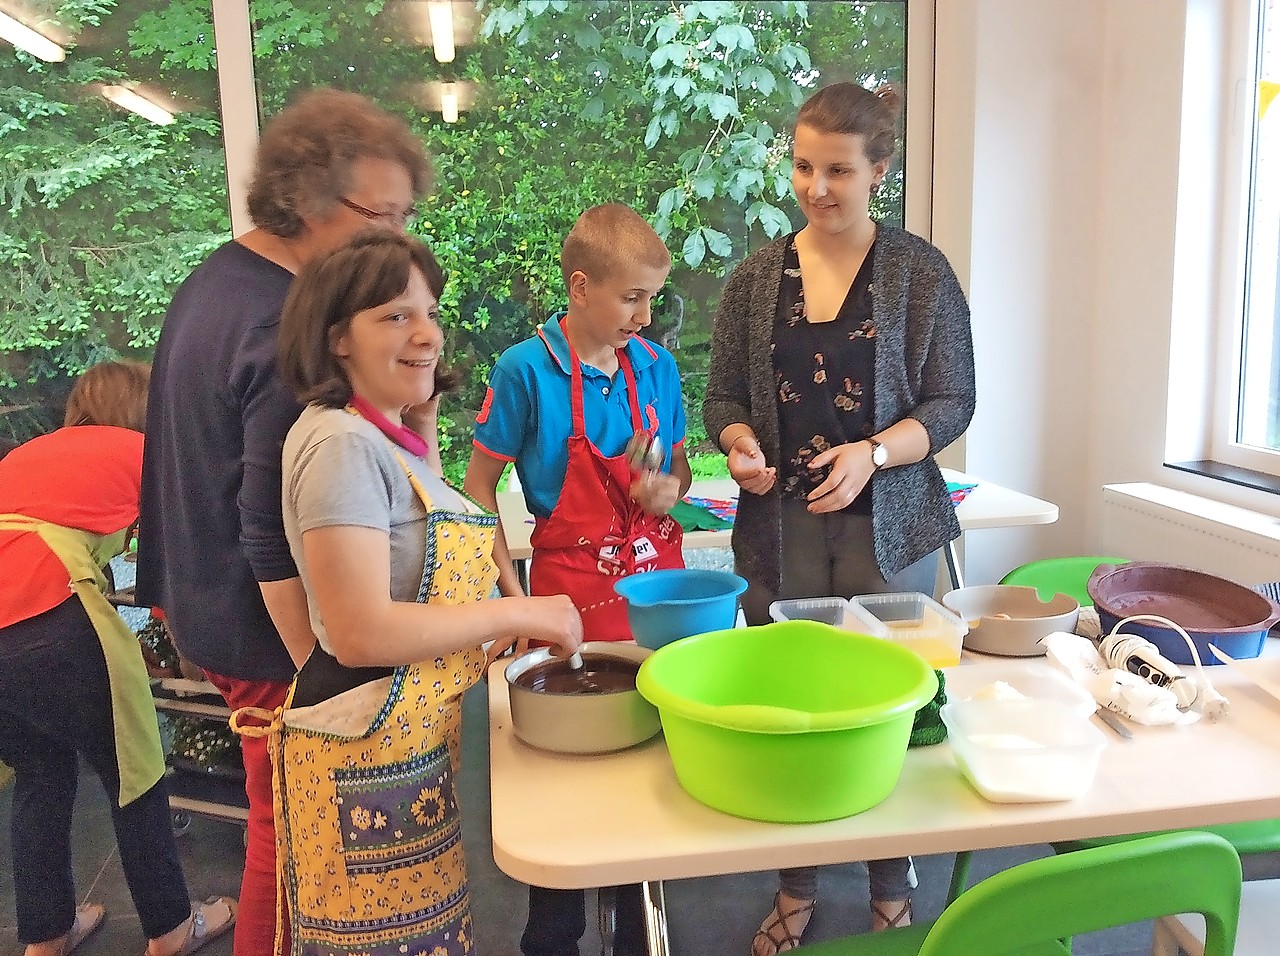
column 664, row 606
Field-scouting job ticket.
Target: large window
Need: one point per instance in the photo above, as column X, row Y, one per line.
column 536, row 111
column 1242, row 440
column 102, row 210
column 1258, row 424
column 540, row 110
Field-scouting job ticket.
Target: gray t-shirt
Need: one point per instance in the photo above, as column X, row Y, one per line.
column 339, row 470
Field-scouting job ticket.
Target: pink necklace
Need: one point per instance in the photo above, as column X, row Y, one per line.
column 406, row 438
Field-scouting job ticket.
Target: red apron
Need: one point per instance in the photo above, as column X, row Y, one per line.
column 597, row 534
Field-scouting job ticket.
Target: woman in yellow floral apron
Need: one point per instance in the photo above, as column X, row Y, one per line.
column 396, row 565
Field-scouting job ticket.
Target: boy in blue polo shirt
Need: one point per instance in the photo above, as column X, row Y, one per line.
column 562, row 405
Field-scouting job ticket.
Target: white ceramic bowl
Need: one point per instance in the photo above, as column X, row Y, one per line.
column 1009, row 620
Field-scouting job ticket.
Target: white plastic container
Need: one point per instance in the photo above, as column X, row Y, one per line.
column 919, row 622
column 1031, row 678
column 1023, row 751
column 828, row 610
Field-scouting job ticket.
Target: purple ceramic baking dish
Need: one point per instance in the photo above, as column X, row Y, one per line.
column 1212, row 610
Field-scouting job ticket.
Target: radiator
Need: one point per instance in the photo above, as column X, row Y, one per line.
column 1146, row 522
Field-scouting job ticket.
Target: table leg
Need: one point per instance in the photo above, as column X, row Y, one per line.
column 655, row 918
column 654, row 904
column 953, row 565
column 607, row 913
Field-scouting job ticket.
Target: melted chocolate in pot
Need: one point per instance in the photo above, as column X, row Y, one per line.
column 599, row 674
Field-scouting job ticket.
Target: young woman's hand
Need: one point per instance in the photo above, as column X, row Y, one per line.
column 747, row 466
column 655, row 492
column 851, row 469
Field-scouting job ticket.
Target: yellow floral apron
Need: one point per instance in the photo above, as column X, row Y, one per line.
column 368, row 832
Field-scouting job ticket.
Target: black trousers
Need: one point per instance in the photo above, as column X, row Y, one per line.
column 557, row 920
column 55, row 703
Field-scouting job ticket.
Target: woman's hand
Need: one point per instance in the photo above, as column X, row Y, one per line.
column 421, row 418
column 552, row 620
column 655, row 492
column 851, row 469
column 747, row 466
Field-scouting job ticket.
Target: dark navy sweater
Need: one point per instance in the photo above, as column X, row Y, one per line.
column 217, row 416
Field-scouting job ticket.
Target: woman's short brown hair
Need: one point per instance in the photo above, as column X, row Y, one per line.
column 853, row 109
column 369, row 270
column 307, row 150
column 110, row 393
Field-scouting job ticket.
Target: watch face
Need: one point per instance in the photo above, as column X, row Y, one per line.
column 879, row 455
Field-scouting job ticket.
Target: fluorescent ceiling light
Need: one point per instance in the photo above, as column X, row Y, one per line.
column 124, row 97
column 25, row 38
column 449, row 103
column 440, row 13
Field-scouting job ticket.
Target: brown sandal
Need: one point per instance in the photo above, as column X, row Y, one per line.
column 778, row 933
column 882, row 918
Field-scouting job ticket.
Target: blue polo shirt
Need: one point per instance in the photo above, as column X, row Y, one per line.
column 527, row 417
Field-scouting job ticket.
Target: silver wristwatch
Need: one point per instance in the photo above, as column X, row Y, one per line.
column 879, row 453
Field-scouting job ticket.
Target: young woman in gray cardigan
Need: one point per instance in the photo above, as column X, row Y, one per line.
column 842, row 361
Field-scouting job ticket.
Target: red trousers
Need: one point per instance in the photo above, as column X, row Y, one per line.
column 256, row 921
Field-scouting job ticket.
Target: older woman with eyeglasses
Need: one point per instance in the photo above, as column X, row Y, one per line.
column 213, row 552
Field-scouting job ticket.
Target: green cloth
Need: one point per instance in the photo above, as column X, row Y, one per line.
column 139, row 754
column 928, row 728
column 697, row 518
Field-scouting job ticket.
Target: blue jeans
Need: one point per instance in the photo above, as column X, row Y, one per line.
column 55, row 703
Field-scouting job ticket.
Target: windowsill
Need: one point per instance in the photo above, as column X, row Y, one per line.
column 1245, row 477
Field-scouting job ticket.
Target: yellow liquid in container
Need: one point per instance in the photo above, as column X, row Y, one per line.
column 937, row 651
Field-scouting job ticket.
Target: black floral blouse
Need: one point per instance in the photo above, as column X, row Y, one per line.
column 824, row 373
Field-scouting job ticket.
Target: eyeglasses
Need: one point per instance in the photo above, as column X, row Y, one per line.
column 401, row 219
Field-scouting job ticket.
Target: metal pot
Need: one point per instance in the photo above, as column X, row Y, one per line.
column 581, row 723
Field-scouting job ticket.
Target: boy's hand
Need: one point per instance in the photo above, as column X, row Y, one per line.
column 747, row 467
column 655, row 492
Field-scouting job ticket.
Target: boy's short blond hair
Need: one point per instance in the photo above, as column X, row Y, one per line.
column 606, row 239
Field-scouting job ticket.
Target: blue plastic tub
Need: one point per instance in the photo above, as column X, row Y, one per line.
column 664, row 606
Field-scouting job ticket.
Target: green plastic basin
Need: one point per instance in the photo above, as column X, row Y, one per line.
column 793, row 723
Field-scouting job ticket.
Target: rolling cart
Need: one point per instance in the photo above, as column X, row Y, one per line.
column 218, row 793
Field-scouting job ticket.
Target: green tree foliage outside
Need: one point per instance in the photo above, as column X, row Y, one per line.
column 681, row 110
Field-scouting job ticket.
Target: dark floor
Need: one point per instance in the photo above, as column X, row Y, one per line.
column 708, row 917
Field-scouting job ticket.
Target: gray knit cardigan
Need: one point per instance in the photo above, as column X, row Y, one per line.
column 923, row 370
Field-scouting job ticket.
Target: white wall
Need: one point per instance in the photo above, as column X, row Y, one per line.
column 1076, row 145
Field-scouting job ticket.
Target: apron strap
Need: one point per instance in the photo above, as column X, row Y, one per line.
column 271, row 720
column 575, row 391
column 637, row 425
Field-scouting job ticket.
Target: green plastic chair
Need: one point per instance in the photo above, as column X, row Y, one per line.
column 1036, row 907
column 1060, row 576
